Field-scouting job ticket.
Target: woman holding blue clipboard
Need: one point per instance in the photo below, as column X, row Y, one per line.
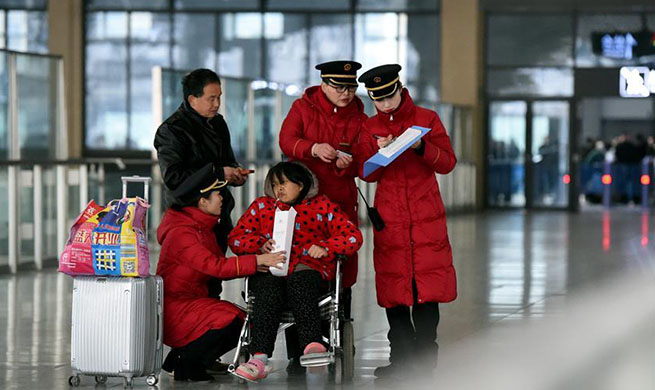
column 412, row 254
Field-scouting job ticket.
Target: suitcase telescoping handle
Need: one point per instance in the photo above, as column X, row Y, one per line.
column 136, row 179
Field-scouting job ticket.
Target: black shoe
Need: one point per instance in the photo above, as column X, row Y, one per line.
column 294, row 367
column 171, row 361
column 190, row 371
column 391, row 371
column 218, row 368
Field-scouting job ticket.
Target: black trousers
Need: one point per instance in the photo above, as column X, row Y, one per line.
column 413, row 330
column 272, row 295
column 201, row 353
column 291, row 333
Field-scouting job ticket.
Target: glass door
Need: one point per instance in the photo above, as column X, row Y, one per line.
column 506, row 154
column 549, row 154
column 528, row 154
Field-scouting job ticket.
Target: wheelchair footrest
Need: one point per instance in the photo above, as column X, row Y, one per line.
column 317, row 359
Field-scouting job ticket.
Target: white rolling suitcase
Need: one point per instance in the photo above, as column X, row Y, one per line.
column 117, row 328
column 117, row 325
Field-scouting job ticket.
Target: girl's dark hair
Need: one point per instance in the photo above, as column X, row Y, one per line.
column 295, row 173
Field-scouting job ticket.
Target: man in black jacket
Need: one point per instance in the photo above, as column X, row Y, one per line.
column 196, row 134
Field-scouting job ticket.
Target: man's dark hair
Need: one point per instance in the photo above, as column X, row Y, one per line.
column 194, row 83
column 294, row 173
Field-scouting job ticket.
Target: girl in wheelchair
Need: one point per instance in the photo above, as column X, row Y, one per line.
column 322, row 231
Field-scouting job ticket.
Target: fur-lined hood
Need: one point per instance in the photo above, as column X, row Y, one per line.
column 313, row 190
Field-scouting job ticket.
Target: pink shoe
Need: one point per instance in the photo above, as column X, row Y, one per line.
column 252, row 371
column 313, row 348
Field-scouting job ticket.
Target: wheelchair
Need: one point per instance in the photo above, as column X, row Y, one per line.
column 340, row 355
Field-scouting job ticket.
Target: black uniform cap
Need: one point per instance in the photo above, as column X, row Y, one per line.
column 381, row 81
column 339, row 72
column 199, row 183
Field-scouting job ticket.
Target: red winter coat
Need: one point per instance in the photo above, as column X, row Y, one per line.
column 189, row 257
column 414, row 242
column 314, row 119
column 318, row 222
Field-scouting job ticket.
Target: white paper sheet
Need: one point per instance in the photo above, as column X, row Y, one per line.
column 283, row 228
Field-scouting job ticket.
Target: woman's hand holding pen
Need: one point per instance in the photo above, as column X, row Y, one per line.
column 384, row 141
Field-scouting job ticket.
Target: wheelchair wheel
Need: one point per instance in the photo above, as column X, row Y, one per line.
column 348, row 346
column 338, row 367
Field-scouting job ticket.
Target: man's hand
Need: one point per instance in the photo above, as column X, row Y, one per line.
column 317, row 252
column 268, row 246
column 324, row 151
column 344, row 161
column 235, row 176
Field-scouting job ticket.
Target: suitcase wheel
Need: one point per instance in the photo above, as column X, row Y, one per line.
column 74, row 380
column 152, row 380
column 100, row 379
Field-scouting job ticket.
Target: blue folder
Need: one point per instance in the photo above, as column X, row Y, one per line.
column 379, row 160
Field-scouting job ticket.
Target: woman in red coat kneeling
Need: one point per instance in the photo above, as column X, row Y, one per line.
column 412, row 254
column 198, row 328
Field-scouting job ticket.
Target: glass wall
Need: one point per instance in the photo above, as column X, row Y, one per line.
column 24, row 25
column 273, row 40
column 4, row 106
column 530, row 54
column 531, row 59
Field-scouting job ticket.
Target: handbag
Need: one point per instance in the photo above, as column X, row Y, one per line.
column 373, row 214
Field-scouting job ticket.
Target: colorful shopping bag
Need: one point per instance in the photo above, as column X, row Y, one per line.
column 119, row 243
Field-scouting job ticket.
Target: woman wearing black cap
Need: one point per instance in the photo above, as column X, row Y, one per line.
column 412, row 254
column 198, row 328
column 319, row 131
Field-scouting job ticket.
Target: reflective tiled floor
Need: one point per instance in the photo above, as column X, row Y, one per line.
column 513, row 267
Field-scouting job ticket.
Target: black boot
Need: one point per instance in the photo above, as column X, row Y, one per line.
column 189, row 370
column 294, row 367
column 171, row 361
column 401, row 341
column 400, row 362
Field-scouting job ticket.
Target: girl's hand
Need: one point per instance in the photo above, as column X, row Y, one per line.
column 268, row 246
column 317, row 252
column 266, row 260
column 384, row 141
